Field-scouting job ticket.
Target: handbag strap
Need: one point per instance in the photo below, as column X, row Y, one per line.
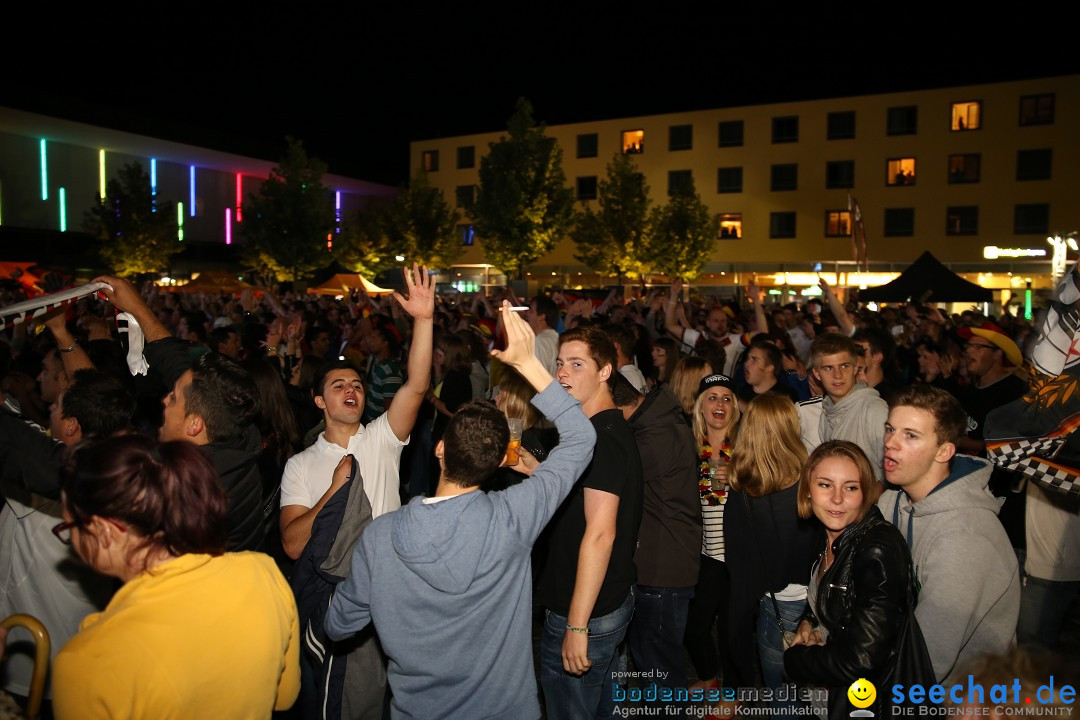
column 757, row 551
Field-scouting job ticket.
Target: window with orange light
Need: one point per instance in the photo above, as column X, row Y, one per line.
column 900, row 171
column 837, row 223
column 730, row 226
column 633, row 141
column 966, row 115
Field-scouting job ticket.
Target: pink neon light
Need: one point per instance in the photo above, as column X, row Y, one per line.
column 239, row 196
column 228, row 226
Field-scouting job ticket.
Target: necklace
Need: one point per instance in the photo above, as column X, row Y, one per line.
column 706, row 471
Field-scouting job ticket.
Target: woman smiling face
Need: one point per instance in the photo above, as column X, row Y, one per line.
column 836, row 494
column 717, row 408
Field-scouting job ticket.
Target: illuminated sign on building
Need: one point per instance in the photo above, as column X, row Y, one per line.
column 993, row 252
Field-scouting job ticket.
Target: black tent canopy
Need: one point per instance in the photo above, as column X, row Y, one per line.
column 927, row 276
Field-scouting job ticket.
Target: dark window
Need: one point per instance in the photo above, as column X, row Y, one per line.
column 962, row 220
column 899, row 222
column 840, row 174
column 680, row 137
column 680, row 182
column 966, row 115
column 586, row 188
column 729, row 180
column 633, row 142
column 466, row 157
column 430, row 160
column 785, row 129
column 903, row 120
column 785, row 177
column 731, row 133
column 841, row 125
column 1037, row 109
column 837, row 223
column 588, row 145
column 1033, row 164
column 900, row 171
column 782, row 225
column 465, row 195
column 730, row 225
column 1032, row 219
column 964, row 168
column 466, row 233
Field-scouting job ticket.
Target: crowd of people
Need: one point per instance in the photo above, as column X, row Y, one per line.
column 287, row 501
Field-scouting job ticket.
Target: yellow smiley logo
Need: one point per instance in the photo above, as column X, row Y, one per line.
column 862, row 693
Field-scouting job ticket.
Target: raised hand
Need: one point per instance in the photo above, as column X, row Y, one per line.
column 123, row 295
column 421, row 301
column 520, row 339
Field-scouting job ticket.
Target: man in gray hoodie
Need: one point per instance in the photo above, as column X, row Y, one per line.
column 965, row 569
column 446, row 580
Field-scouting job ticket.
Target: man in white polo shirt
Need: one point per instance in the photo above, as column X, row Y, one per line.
column 309, row 480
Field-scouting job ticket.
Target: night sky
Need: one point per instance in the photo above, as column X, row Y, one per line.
column 357, row 85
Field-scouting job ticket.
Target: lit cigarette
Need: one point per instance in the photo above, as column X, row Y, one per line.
column 518, row 308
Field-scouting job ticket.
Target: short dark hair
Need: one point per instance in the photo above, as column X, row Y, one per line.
column 772, row 354
column 168, row 493
column 219, row 335
column 621, row 337
column 474, row 443
column 223, row 394
column 879, row 339
column 623, row 391
column 313, row 332
column 833, row 344
column 601, row 349
column 546, row 306
column 318, row 387
column 99, row 402
column 950, row 420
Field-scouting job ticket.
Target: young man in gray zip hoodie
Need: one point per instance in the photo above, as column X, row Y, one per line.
column 447, row 580
column 965, row 568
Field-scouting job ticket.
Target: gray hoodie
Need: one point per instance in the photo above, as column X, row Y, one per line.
column 860, row 418
column 965, row 568
column 448, row 585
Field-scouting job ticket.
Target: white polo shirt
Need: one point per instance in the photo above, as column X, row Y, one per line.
column 308, row 475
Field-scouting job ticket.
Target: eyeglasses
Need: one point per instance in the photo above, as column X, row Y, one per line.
column 979, row 345
column 62, row 531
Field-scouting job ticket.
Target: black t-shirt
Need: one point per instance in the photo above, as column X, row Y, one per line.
column 978, row 402
column 616, row 469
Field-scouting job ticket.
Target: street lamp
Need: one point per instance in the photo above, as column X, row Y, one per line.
column 1059, row 263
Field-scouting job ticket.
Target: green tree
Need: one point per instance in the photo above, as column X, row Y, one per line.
column 609, row 240
column 137, row 232
column 523, row 207
column 682, row 238
column 286, row 223
column 362, row 246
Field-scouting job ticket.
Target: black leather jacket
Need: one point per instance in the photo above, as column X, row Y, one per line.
column 865, row 600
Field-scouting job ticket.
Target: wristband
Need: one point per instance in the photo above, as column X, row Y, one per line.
column 578, row 630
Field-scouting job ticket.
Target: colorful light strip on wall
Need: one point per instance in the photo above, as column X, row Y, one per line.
column 180, row 222
column 63, row 210
column 239, row 197
column 44, row 172
column 101, row 173
column 228, row 226
column 337, row 211
column 153, row 184
column 1, row 203
column 191, row 196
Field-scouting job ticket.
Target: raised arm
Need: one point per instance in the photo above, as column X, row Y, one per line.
column 761, row 325
column 671, row 318
column 71, row 353
column 125, row 298
column 421, row 306
column 838, row 310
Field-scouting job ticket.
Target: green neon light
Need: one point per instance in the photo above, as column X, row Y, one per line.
column 101, row 173
column 63, row 210
column 44, row 172
column 1027, row 304
column 180, row 221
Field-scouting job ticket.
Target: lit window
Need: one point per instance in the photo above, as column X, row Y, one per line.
column 899, row 222
column 837, row 223
column 680, row 137
column 1033, row 164
column 782, row 225
column 729, row 180
column 731, row 133
column 903, row 120
column 962, row 220
column 586, row 188
column 966, row 115
column 466, row 157
column 840, row 174
column 785, row 177
column 785, row 129
column 1037, row 109
column 633, row 141
column 430, row 160
column 730, row 226
column 964, row 168
column 1032, row 219
column 587, row 145
column 841, row 125
column 900, row 171
column 466, row 233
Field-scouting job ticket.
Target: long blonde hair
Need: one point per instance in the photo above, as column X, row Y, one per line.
column 701, row 431
column 686, row 377
column 770, row 454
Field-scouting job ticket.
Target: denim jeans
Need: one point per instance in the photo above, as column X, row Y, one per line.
column 771, row 642
column 573, row 697
column 1043, row 607
column 656, row 633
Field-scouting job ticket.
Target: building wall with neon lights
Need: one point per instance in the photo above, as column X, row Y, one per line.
column 39, row 155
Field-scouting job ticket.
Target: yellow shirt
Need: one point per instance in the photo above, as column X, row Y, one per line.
column 195, row 637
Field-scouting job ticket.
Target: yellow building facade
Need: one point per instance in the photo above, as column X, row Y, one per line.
column 952, row 170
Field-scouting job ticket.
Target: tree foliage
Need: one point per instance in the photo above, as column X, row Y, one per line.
column 682, row 237
column 286, row 223
column 523, row 207
column 417, row 224
column 610, row 239
column 133, row 237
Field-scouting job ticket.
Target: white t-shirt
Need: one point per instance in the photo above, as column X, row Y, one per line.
column 308, row 475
